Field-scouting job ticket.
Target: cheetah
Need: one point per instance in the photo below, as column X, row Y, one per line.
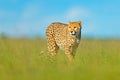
column 64, row 36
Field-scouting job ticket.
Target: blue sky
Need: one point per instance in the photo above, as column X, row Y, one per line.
column 100, row 18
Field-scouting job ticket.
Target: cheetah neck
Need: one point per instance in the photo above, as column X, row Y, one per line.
column 76, row 38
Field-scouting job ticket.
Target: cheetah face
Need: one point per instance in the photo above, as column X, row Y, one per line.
column 74, row 28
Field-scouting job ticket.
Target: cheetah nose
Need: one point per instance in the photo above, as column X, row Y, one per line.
column 71, row 31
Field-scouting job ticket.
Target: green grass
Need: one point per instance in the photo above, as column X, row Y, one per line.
column 20, row 59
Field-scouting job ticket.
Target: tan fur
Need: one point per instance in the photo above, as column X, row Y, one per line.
column 59, row 35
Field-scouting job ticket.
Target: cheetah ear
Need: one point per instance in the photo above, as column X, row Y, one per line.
column 80, row 22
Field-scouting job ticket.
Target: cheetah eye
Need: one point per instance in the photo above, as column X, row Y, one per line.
column 74, row 26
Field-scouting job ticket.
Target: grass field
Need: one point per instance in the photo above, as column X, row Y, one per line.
column 20, row 59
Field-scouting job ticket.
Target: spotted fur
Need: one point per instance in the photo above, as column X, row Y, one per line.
column 65, row 37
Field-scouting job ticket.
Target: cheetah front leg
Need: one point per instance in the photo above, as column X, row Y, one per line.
column 69, row 54
column 74, row 48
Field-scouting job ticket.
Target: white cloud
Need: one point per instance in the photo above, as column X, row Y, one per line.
column 74, row 13
column 77, row 13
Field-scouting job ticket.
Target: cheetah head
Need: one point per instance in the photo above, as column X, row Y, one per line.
column 74, row 28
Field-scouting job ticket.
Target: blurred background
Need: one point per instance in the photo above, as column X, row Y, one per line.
column 30, row 18
column 23, row 50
